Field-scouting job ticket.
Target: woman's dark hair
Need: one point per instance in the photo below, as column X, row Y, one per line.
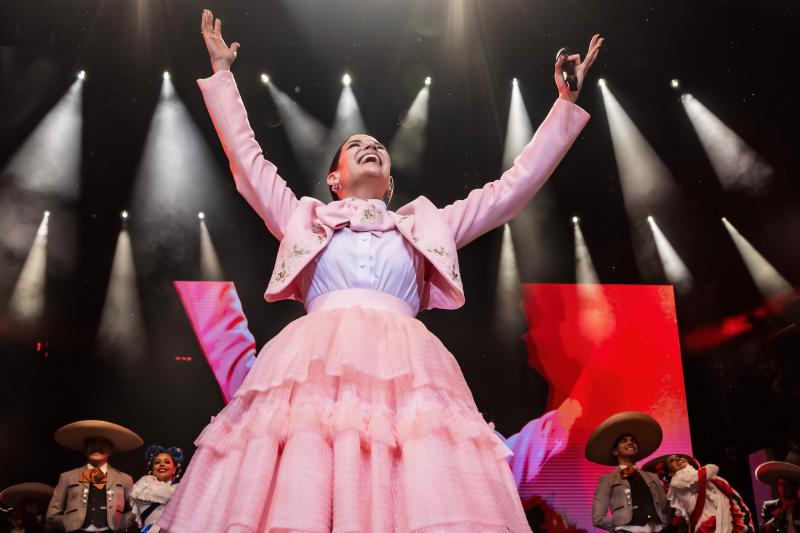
column 333, row 166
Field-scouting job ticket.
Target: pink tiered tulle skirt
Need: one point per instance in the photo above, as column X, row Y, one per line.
column 353, row 419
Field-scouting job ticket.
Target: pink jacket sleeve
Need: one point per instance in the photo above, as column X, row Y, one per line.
column 256, row 178
column 499, row 201
column 218, row 321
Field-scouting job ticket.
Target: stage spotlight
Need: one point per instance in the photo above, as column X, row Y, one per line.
column 507, row 315
column 346, row 80
column 584, row 267
column 674, row 268
column 264, row 79
column 428, row 80
column 27, row 299
column 595, row 316
column 48, row 161
column 601, row 82
column 210, row 267
column 770, row 283
column 82, row 75
column 736, row 164
column 121, row 333
column 408, row 143
column 348, row 122
column 201, row 215
column 307, row 135
column 176, row 176
column 515, row 82
column 645, row 181
column 675, row 83
column 519, row 130
column 166, row 75
column 643, row 175
column 124, row 215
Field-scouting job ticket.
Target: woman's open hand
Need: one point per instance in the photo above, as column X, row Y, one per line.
column 222, row 56
column 581, row 69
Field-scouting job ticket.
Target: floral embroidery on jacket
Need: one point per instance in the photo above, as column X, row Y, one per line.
column 369, row 213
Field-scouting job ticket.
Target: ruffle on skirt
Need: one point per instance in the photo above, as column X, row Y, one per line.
column 351, row 420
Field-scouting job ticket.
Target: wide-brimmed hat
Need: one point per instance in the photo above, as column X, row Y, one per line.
column 642, row 426
column 74, row 435
column 770, row 471
column 659, row 467
column 14, row 495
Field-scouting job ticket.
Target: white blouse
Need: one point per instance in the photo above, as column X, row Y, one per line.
column 682, row 496
column 382, row 261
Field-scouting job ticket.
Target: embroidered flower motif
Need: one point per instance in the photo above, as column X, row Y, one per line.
column 281, row 274
column 368, row 214
column 448, row 261
column 454, row 273
column 297, row 251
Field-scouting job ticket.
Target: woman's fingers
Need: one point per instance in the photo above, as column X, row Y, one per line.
column 207, row 22
column 235, row 48
column 218, row 28
column 576, row 58
column 593, row 42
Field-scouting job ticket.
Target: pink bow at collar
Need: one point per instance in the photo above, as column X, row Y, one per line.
column 358, row 215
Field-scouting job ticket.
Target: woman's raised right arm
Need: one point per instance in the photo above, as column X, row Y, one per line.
column 256, row 178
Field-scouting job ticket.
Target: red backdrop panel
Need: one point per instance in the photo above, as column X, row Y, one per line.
column 613, row 348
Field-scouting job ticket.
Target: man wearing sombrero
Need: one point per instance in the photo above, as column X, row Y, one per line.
column 93, row 497
column 699, row 496
column 781, row 515
column 636, row 498
column 28, row 502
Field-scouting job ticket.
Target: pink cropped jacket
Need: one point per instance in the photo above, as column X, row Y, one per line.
column 435, row 233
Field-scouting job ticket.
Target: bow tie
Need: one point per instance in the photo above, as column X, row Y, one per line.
column 359, row 215
column 628, row 471
column 95, row 476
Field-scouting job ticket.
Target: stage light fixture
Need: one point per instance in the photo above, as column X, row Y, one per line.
column 515, row 82
column 736, row 164
column 601, row 82
column 82, row 75
column 201, row 215
column 166, row 75
column 772, row 285
column 675, row 83
column 575, row 220
column 428, row 80
column 674, row 267
column 346, row 80
column 264, row 79
column 124, row 215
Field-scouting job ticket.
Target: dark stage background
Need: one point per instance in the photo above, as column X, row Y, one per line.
column 738, row 58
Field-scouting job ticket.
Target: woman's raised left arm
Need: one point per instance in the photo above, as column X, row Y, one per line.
column 501, row 200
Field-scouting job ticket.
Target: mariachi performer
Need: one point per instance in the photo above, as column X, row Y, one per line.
column 355, row 417
column 781, row 515
column 27, row 503
column 152, row 492
column 93, row 497
column 699, row 496
column 635, row 497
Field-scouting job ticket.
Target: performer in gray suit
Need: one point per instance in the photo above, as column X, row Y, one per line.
column 636, row 498
column 93, row 497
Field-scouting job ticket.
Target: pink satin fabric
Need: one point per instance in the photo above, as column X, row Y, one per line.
column 365, row 298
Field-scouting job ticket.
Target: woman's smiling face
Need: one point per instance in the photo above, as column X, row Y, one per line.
column 364, row 168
